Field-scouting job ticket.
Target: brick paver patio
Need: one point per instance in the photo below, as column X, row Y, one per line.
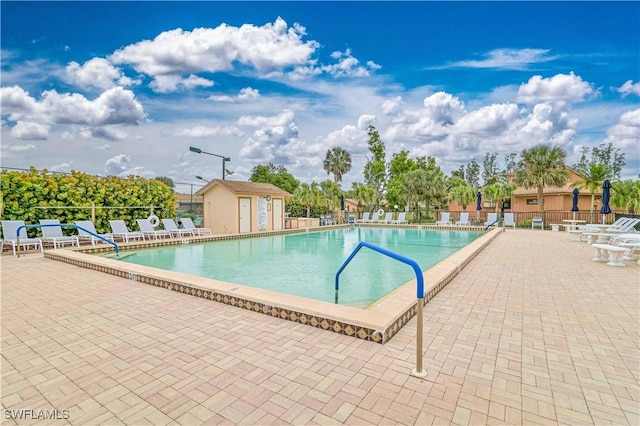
column 531, row 332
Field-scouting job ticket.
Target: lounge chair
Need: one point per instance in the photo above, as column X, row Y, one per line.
column 387, row 218
column 624, row 226
column 463, row 220
column 120, row 230
column 444, row 219
column 187, row 223
column 374, row 218
column 537, row 222
column 149, row 231
column 53, row 234
column 89, row 226
column 365, row 218
column 509, row 220
column 10, row 236
column 492, row 218
column 351, row 219
column 171, row 226
column 402, row 218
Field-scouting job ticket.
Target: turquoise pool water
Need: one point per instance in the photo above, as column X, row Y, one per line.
column 305, row 264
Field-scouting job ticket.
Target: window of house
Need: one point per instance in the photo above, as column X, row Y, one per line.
column 532, row 201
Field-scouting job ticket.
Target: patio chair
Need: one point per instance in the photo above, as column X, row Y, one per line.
column 10, row 236
column 351, row 219
column 187, row 223
column 537, row 222
column 387, row 218
column 444, row 219
column 492, row 218
column 89, row 226
column 365, row 218
column 149, row 231
column 509, row 220
column 402, row 218
column 374, row 218
column 120, row 230
column 53, row 234
column 171, row 226
column 463, row 220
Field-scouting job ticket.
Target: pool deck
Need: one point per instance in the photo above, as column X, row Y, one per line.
column 531, row 331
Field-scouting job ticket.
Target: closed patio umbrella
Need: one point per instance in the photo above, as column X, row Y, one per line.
column 606, row 196
column 342, row 205
column 574, row 207
column 478, row 205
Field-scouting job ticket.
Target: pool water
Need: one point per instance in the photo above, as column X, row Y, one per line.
column 305, row 264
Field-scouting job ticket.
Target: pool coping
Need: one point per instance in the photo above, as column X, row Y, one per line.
column 379, row 322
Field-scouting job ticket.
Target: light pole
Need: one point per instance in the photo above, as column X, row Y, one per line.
column 224, row 159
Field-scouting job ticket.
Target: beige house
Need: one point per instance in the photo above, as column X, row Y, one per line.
column 232, row 207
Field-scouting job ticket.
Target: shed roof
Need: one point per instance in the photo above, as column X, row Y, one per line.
column 244, row 187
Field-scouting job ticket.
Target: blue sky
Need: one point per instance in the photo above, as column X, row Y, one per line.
column 126, row 87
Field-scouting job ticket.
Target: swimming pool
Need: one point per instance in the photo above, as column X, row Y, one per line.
column 305, row 264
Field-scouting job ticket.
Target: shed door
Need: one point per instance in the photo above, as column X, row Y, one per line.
column 245, row 214
column 277, row 214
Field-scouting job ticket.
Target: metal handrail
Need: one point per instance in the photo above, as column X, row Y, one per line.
column 491, row 224
column 61, row 225
column 419, row 294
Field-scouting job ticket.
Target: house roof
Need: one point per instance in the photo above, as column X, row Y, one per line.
column 244, row 187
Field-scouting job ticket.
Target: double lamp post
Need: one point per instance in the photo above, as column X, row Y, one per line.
column 225, row 172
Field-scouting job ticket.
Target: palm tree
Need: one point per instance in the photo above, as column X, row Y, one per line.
column 462, row 194
column 626, row 195
column 364, row 195
column 539, row 167
column 498, row 192
column 592, row 180
column 338, row 162
column 307, row 195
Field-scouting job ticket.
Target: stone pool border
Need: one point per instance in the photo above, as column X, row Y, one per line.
column 379, row 322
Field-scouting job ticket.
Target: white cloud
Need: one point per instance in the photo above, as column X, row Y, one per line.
column 626, row 133
column 19, row 148
column 246, row 94
column 30, row 131
column 508, row 59
column 206, row 132
column 629, row 87
column 121, row 165
column 172, row 83
column 97, row 73
column 17, row 103
column 271, row 47
column 282, row 119
column 62, row 167
column 561, row 87
column 348, row 66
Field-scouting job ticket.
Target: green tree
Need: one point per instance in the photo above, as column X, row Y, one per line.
column 539, row 167
column 426, row 185
column 337, row 162
column 605, row 154
column 307, row 195
column 472, row 174
column 275, row 175
column 490, row 169
column 462, row 193
column 363, row 194
column 400, row 164
column 375, row 169
column 592, row 178
column 497, row 193
column 166, row 180
column 330, row 194
column 626, row 195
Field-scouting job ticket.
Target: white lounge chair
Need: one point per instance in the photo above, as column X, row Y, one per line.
column 89, row 226
column 509, row 220
column 444, row 219
column 374, row 218
column 187, row 223
column 365, row 218
column 402, row 218
column 10, row 236
column 149, row 231
column 463, row 220
column 120, row 230
column 351, row 219
column 491, row 219
column 171, row 226
column 53, row 234
column 537, row 222
column 387, row 218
